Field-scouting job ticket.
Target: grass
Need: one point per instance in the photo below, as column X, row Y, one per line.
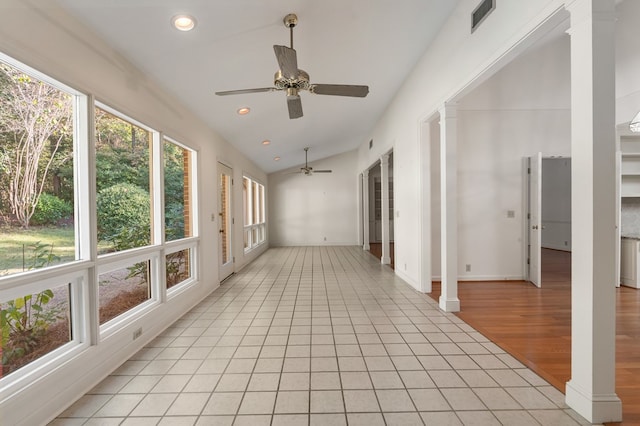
column 16, row 241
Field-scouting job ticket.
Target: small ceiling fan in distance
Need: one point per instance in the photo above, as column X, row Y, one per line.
column 292, row 79
column 307, row 170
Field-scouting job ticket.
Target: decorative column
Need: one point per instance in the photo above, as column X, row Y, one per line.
column 591, row 390
column 384, row 182
column 449, row 301
column 365, row 210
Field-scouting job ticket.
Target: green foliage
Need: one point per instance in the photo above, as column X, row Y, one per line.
column 124, row 216
column 42, row 255
column 50, row 210
column 174, row 191
column 122, row 152
column 24, row 321
column 174, row 221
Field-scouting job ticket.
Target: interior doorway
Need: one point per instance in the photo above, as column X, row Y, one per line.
column 549, row 219
column 375, row 209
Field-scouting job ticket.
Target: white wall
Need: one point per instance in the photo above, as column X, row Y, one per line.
column 627, row 61
column 320, row 209
column 522, row 110
column 54, row 43
column 446, row 70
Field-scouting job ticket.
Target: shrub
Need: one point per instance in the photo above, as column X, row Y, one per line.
column 124, row 216
column 51, row 209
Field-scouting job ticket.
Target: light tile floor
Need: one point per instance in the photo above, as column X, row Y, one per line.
column 320, row 336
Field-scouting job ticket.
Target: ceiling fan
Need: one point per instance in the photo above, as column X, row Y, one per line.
column 292, row 79
column 309, row 170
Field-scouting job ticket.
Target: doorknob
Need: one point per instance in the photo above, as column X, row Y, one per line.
column 534, row 227
column 221, row 231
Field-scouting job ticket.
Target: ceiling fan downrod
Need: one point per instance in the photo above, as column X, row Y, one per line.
column 290, row 21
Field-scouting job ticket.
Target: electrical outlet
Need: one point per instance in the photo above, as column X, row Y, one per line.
column 511, row 214
column 325, row 238
column 468, row 267
column 137, row 333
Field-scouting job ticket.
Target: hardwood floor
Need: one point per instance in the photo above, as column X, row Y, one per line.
column 534, row 325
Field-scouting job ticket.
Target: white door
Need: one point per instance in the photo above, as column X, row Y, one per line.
column 535, row 219
column 225, row 222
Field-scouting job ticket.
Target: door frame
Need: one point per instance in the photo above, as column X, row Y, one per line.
column 225, row 268
column 534, row 219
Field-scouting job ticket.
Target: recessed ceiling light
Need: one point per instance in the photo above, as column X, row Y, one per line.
column 276, row 158
column 183, row 22
column 244, row 110
column 266, row 142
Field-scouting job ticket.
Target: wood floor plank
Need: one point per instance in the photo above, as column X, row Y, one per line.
column 534, row 325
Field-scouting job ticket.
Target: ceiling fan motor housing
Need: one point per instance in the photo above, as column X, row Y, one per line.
column 301, row 82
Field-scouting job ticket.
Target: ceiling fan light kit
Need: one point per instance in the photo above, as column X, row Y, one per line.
column 291, row 79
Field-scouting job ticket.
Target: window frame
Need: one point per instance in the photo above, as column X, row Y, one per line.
column 254, row 213
column 83, row 272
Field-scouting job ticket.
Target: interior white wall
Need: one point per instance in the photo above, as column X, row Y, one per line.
column 320, row 209
column 627, row 61
column 56, row 44
column 556, row 203
column 447, row 69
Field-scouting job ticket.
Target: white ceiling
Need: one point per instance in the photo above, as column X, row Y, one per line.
column 368, row 42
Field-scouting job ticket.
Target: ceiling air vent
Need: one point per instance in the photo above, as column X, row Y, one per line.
column 481, row 12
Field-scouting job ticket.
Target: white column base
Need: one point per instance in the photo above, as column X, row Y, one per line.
column 451, row 305
column 385, row 260
column 594, row 408
column 366, row 247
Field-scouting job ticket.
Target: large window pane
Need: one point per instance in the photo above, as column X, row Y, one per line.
column 32, row 326
column 36, row 173
column 123, row 289
column 177, row 191
column 123, row 182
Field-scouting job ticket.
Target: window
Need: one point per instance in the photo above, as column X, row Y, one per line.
column 37, row 191
column 177, row 191
column 112, row 272
column 254, row 213
column 33, row 325
column 123, row 288
column 122, row 181
column 178, row 267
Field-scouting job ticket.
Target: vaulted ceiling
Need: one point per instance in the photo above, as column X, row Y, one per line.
column 365, row 42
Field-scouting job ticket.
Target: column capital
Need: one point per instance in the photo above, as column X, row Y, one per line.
column 365, row 174
column 384, row 159
column 584, row 13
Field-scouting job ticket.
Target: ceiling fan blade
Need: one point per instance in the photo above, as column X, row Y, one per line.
column 295, row 106
column 340, row 90
column 322, row 171
column 287, row 61
column 243, row 91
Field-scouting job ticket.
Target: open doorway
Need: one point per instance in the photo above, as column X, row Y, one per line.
column 549, row 224
column 375, row 209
